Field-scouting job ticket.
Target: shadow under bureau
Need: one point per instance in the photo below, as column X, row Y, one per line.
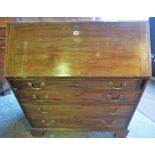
column 78, row 73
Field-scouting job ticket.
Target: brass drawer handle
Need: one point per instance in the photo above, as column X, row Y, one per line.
column 112, row 99
column 44, row 112
column 2, row 38
column 39, row 100
column 108, row 123
column 2, row 48
column 42, row 85
column 2, row 27
column 77, row 120
column 111, row 85
column 48, row 123
column 77, row 84
column 107, row 111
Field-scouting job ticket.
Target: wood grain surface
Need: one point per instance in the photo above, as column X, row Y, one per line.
column 75, row 123
column 78, row 111
column 78, row 73
column 77, row 97
column 102, row 49
column 76, row 84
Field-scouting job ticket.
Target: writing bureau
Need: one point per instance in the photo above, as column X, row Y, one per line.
column 78, row 73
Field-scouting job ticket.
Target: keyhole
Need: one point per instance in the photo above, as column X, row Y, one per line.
column 76, row 27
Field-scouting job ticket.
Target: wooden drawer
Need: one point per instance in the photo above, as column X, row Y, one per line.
column 77, row 97
column 76, row 83
column 97, row 124
column 78, row 111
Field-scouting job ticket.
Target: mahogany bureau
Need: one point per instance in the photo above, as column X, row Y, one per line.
column 78, row 73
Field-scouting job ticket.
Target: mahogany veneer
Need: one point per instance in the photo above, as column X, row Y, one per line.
column 78, row 73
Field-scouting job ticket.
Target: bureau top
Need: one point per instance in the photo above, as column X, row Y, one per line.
column 77, row 49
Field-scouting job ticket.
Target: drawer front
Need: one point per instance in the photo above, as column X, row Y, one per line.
column 71, row 84
column 77, row 97
column 97, row 124
column 77, row 111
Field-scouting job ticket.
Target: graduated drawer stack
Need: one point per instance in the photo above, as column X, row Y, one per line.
column 92, row 104
column 78, row 73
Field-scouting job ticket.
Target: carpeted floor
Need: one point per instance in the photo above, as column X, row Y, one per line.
column 13, row 123
column 147, row 104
